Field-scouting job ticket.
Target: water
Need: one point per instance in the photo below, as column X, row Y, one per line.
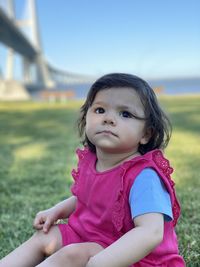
column 169, row 87
column 178, row 86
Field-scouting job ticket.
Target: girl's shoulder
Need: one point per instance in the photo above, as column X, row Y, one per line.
column 158, row 159
column 84, row 154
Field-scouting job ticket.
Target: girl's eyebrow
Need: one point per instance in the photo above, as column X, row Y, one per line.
column 104, row 103
column 99, row 103
column 125, row 107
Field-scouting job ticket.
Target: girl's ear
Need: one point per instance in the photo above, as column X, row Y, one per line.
column 146, row 137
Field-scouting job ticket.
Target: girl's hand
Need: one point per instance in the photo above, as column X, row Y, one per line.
column 45, row 219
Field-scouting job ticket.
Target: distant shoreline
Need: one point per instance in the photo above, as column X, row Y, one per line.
column 172, row 87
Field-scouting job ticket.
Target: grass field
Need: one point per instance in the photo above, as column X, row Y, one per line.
column 37, row 143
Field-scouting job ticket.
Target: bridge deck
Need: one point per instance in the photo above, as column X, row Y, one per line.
column 11, row 36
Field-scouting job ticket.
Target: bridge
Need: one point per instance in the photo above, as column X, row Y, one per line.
column 14, row 39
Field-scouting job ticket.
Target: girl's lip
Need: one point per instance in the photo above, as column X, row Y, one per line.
column 106, row 132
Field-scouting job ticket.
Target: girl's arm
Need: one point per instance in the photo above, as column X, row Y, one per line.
column 134, row 245
column 44, row 219
column 65, row 208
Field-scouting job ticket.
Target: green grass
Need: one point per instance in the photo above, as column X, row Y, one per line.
column 37, row 143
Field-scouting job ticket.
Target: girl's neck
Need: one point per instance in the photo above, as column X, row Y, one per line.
column 106, row 161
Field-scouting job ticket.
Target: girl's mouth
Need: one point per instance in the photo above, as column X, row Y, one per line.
column 106, row 132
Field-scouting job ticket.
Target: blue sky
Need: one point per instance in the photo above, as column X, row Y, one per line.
column 153, row 39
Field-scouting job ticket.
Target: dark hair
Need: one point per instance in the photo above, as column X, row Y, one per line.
column 155, row 118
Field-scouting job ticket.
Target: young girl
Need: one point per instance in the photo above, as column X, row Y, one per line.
column 123, row 208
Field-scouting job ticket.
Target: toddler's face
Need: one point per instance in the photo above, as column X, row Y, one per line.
column 110, row 122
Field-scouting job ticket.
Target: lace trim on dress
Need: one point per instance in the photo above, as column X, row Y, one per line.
column 74, row 187
column 75, row 172
column 163, row 164
column 118, row 213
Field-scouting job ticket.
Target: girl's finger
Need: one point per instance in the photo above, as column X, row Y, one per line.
column 39, row 221
column 46, row 226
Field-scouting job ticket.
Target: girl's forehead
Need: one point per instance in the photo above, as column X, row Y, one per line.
column 119, row 96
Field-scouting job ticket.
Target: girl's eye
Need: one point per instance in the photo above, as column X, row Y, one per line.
column 99, row 110
column 125, row 114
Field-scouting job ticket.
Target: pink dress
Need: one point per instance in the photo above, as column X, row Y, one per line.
column 102, row 214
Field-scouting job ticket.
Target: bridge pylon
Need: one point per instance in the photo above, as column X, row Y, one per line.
column 10, row 52
column 43, row 75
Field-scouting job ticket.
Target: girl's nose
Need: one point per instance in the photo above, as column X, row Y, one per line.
column 108, row 119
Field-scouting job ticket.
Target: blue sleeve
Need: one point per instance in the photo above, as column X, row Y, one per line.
column 148, row 194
